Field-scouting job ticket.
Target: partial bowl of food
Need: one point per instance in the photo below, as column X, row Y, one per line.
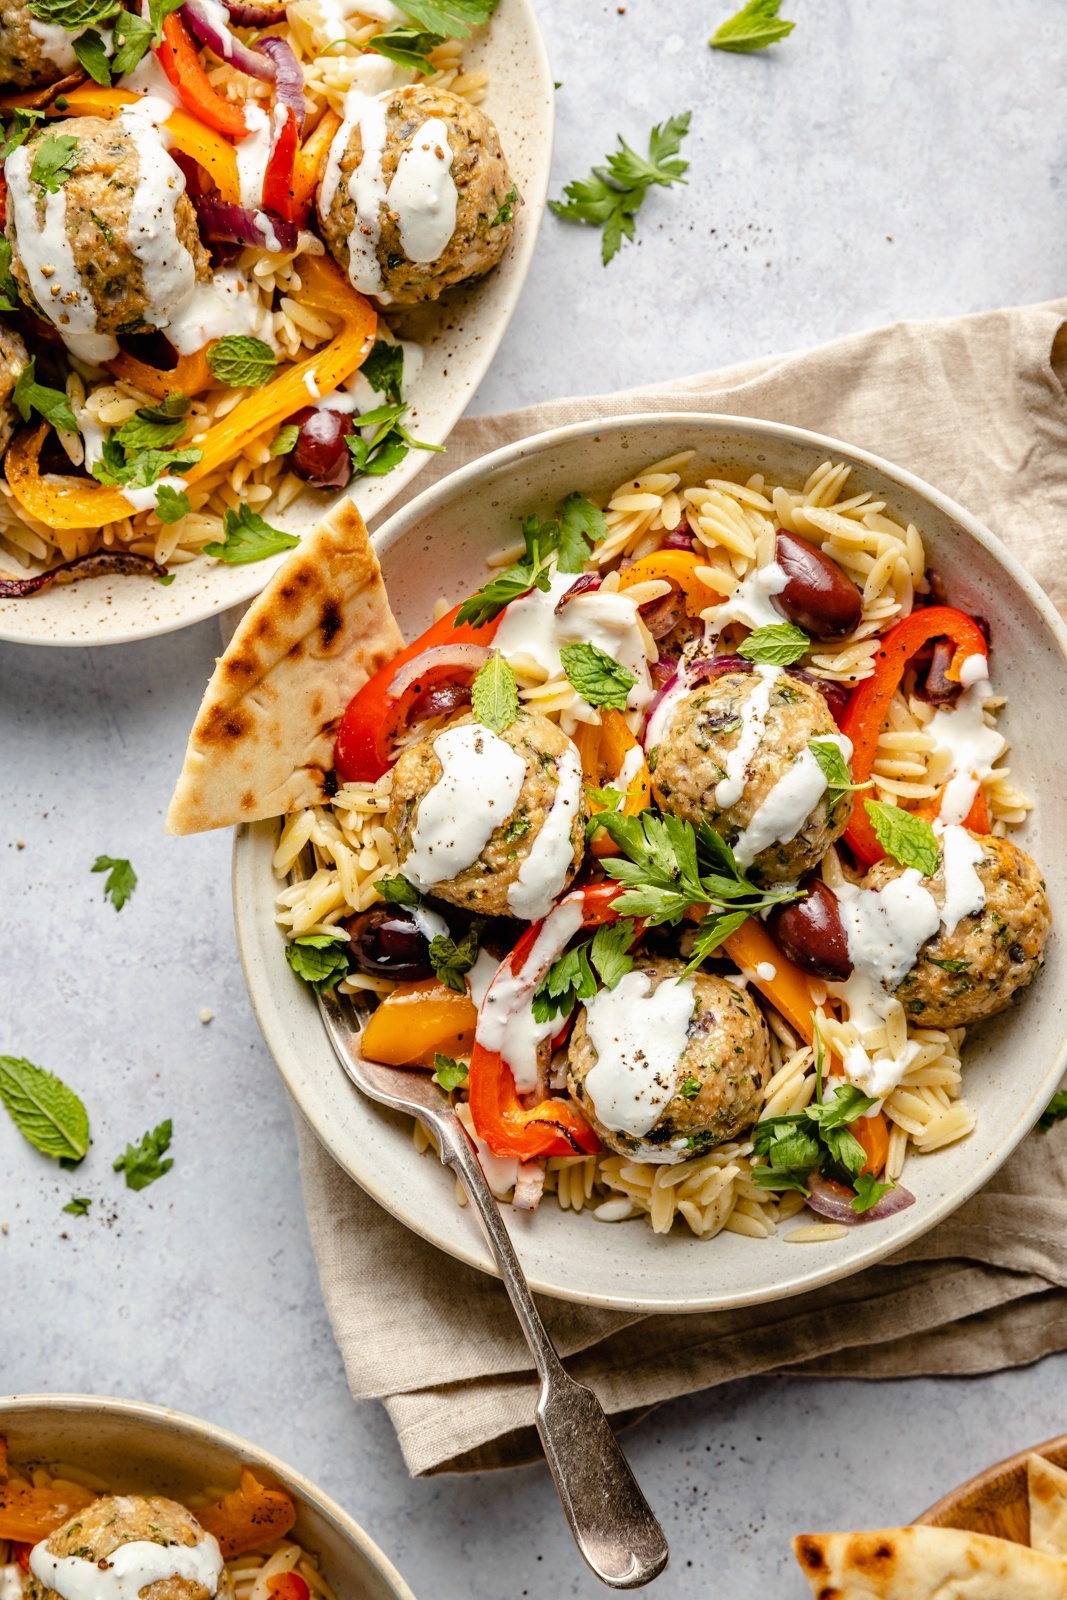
column 1004, row 1533
column 254, row 260
column 112, row 1497
column 682, row 846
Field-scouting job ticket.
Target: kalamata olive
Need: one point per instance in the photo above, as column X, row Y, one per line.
column 386, row 942
column 837, row 695
column 679, row 539
column 818, row 597
column 320, row 455
column 811, row 933
column 439, row 701
column 662, row 616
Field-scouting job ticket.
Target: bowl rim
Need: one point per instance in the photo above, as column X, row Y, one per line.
column 244, row 1450
column 484, row 346
column 474, row 1252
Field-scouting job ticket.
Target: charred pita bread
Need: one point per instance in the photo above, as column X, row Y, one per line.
column 924, row 1563
column 262, row 743
column 1048, row 1506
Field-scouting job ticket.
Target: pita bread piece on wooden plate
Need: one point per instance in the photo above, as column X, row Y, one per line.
column 262, row 744
column 925, row 1562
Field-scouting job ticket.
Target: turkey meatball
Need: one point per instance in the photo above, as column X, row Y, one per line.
column 32, row 53
column 184, row 1564
column 13, row 357
column 416, row 196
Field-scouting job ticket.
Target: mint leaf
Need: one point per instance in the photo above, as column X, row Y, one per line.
column 285, row 439
column 143, row 1162
column 44, row 1110
column 89, row 49
column 834, row 768
column 450, row 960
column 249, row 538
column 754, row 27
column 384, row 369
column 397, row 891
column 158, row 11
column 54, row 161
column 779, row 644
column 495, row 694
column 613, row 194
column 121, row 879
column 596, row 676
column 905, row 837
column 78, row 1206
column 241, row 361
column 72, row 14
column 321, row 959
column 581, row 526
column 171, row 504
column 143, row 432
column 408, row 47
column 448, row 1073
column 609, row 950
column 452, row 18
column 52, row 404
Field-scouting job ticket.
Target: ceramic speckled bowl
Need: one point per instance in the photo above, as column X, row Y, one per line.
column 437, row 546
column 145, row 1449
column 459, row 338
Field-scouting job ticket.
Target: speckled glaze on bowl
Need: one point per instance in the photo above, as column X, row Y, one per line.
column 146, row 1449
column 459, row 337
column 436, row 545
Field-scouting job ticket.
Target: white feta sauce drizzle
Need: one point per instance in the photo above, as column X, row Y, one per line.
column 530, row 627
column 505, row 1017
column 476, row 793
column 57, row 45
column 766, row 971
column 429, row 923
column 336, row 13
column 975, row 747
column 789, row 804
column 423, row 193
column 146, row 499
column 11, row 1582
column 167, row 268
column 632, row 762
column 46, row 255
column 659, row 723
column 639, row 1037
column 366, row 187
column 224, row 304
column 753, row 723
column 148, row 78
column 311, row 385
column 253, row 153
column 481, row 976
column 544, row 872
column 129, row 1569
column 750, row 603
column 356, row 395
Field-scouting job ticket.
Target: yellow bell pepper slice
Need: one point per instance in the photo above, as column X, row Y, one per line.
column 73, row 503
column 202, row 145
column 416, row 1021
column 677, row 567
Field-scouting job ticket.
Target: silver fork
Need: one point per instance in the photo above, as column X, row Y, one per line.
column 611, row 1520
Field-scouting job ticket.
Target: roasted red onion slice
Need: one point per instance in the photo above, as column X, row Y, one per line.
column 243, row 16
column 834, row 1201
column 221, row 220
column 464, row 657
column 102, row 564
column 585, row 583
column 288, row 76
column 836, row 695
column 440, row 701
column 661, row 616
column 679, row 539
column 935, row 686
column 204, row 23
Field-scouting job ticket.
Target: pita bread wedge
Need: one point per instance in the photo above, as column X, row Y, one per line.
column 262, row 743
column 1048, row 1506
column 923, row 1563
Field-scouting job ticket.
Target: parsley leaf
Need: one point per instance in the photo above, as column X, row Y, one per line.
column 817, row 1139
column 610, row 950
column 450, row 960
column 904, row 836
column 754, row 27
column 241, row 361
column 397, row 891
column 321, row 959
column 140, row 471
column 777, row 645
column 143, row 1163
column 53, row 405
column 568, row 980
column 44, row 1110
column 159, row 11
column 581, row 526
column 448, row 1073
column 285, row 439
column 19, row 130
column 133, row 35
column 1056, row 1108
column 408, row 47
column 375, row 457
column 54, row 160
column 9, row 289
column 452, row 18
column 384, row 369
column 78, row 1206
column 613, row 194
column 72, row 14
column 499, row 592
column 248, row 538
column 869, row 1191
column 507, row 209
column 121, row 879
column 495, row 694
column 89, row 49
column 834, row 767
column 689, row 1088
column 171, row 504
column 596, row 676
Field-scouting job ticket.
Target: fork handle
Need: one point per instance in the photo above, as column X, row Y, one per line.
column 612, row 1522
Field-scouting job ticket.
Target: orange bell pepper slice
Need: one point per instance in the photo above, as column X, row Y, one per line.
column 869, row 706
column 417, row 1020
column 180, row 60
column 72, row 503
column 251, row 1515
column 977, row 818
column 789, row 991
column 677, row 567
column 873, row 1135
column 191, row 376
column 29, row 1514
column 201, row 144
column 603, row 751
column 310, row 161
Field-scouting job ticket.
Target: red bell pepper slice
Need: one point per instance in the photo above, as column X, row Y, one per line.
column 180, row 60
column 869, row 705
column 553, row 1127
column 288, row 1586
column 363, row 751
column 280, row 175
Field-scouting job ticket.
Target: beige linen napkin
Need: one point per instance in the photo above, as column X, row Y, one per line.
column 976, row 405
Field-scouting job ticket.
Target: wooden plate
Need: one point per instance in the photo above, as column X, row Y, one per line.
column 996, row 1501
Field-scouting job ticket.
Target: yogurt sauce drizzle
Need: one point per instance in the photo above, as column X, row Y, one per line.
column 544, row 872
column 753, row 723
column 129, row 1569
column 975, row 747
column 505, row 1018
column 11, row 1582
column 423, row 193
column 530, row 627
column 789, row 804
column 750, row 602
column 477, row 791
column 639, row 1037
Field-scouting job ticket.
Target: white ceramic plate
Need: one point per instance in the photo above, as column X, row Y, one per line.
column 437, row 545
column 459, row 338
column 144, row 1449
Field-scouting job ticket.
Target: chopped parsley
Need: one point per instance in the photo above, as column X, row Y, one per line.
column 54, row 161
column 408, row 47
column 143, row 1163
column 570, row 979
column 52, row 404
column 613, row 194
column 450, row 960
column 506, row 212
column 121, row 879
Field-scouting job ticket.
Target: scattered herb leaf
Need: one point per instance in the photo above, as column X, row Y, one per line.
column 397, row 891
column 321, row 959
column 495, row 695
column 779, row 644
column 78, row 1206
column 613, row 194
column 755, row 26
column 241, row 361
column 448, row 1073
column 44, row 1110
column 451, row 960
column 248, row 538
column 1054, row 1111
column 54, row 160
column 121, row 879
column 19, row 130
column 90, row 51
column 143, row 1163
column 53, row 405
column 171, row 504
column 408, row 47
column 384, row 369
column 285, row 439
column 596, row 676
column 904, row 836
